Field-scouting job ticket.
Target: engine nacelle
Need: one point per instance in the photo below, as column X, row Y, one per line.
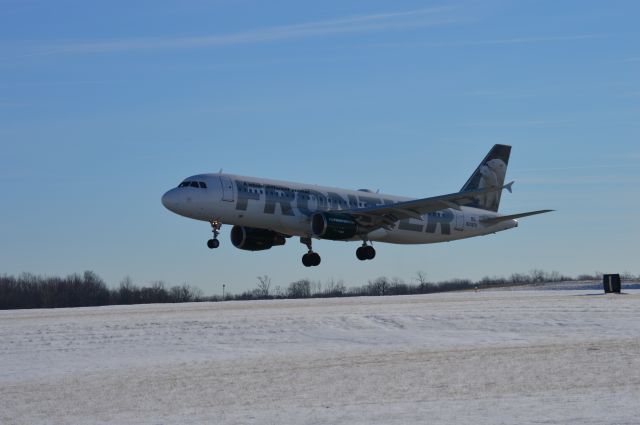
column 333, row 226
column 252, row 239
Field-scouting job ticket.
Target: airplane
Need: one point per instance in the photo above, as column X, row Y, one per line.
column 264, row 213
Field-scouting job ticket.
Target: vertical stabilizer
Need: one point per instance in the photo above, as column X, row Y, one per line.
column 489, row 174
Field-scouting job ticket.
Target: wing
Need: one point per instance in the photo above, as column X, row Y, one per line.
column 386, row 215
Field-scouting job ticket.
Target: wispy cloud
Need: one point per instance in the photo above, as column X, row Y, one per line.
column 523, row 40
column 578, row 167
column 577, row 180
column 628, row 156
column 363, row 23
column 497, row 41
column 631, row 94
column 598, row 174
column 11, row 105
column 517, row 124
column 502, row 94
column 14, row 84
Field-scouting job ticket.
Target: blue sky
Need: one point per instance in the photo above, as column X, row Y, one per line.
column 105, row 105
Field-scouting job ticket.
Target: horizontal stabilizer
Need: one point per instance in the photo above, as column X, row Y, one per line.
column 496, row 220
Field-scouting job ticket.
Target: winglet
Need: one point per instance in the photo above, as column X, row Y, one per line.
column 508, row 186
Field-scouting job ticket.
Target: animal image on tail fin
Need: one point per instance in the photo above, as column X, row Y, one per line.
column 490, row 174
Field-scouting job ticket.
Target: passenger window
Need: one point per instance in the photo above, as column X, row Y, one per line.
column 203, row 185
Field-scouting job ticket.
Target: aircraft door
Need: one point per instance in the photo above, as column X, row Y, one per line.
column 227, row 189
column 459, row 221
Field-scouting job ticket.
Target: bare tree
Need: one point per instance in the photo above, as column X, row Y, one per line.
column 421, row 278
column 300, row 289
column 627, row 275
column 520, row 278
column 538, row 275
column 278, row 292
column 316, row 287
column 379, row 286
column 264, row 284
column 126, row 291
column 184, row 293
column 335, row 288
column 398, row 287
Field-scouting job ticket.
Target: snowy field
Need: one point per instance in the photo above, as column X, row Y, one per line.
column 492, row 357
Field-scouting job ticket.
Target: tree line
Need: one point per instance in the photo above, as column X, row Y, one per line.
column 88, row 289
column 85, row 290
column 306, row 288
column 383, row 285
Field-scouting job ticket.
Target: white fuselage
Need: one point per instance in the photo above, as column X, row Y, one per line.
column 286, row 207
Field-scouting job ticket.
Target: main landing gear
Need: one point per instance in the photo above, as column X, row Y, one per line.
column 365, row 252
column 310, row 259
column 215, row 228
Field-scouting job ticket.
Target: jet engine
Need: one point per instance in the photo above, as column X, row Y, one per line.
column 252, row 239
column 333, row 226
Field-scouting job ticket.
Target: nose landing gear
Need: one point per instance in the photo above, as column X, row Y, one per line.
column 215, row 228
column 310, row 259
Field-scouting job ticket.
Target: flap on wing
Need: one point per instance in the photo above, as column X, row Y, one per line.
column 496, row 220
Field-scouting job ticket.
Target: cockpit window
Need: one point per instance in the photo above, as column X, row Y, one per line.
column 199, row 185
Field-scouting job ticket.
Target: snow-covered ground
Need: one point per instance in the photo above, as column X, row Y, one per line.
column 488, row 357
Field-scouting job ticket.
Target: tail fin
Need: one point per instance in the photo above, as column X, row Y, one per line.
column 490, row 173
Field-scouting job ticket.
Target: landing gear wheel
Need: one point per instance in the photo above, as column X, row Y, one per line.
column 370, row 252
column 213, row 243
column 365, row 252
column 311, row 259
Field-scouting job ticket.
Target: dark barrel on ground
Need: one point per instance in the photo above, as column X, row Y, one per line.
column 611, row 283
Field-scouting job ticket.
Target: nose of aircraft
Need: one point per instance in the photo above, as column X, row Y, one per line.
column 169, row 200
